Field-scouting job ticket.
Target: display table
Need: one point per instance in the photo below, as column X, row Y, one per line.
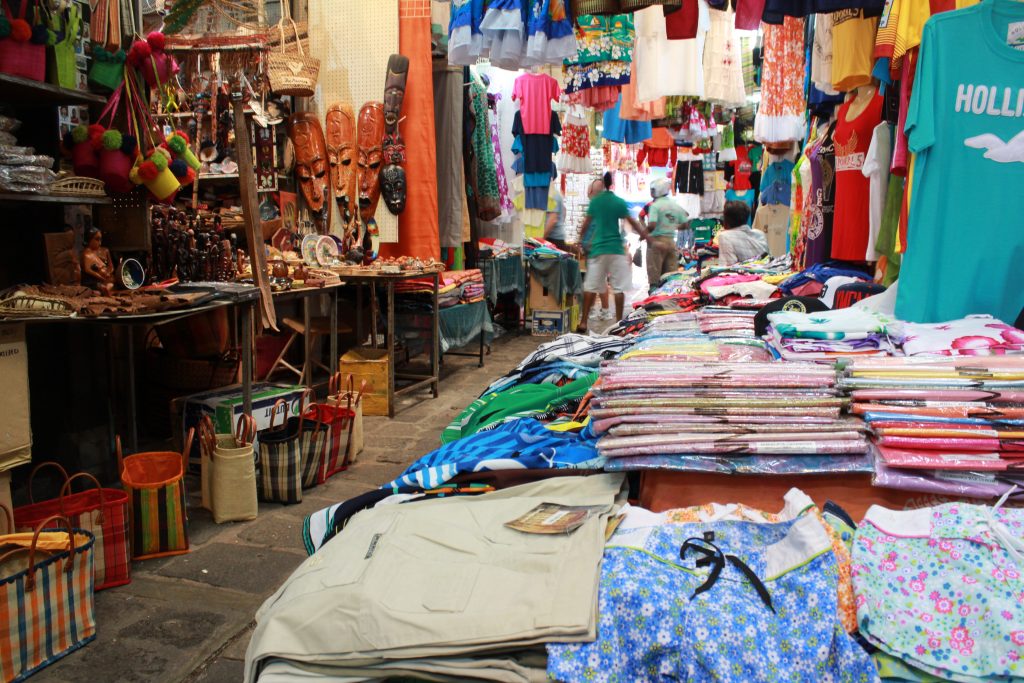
column 463, row 323
column 306, row 295
column 373, row 281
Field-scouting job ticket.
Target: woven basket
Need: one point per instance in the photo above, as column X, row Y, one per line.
column 78, row 186
column 32, row 306
column 290, row 70
column 636, row 5
column 605, row 7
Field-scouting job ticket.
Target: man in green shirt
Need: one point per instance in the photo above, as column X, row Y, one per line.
column 606, row 248
column 664, row 219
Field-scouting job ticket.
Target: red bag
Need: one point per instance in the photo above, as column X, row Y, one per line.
column 103, row 511
column 340, row 420
column 22, row 58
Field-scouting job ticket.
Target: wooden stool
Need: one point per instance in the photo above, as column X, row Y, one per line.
column 318, row 327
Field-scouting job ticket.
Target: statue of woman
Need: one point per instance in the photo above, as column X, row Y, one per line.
column 97, row 266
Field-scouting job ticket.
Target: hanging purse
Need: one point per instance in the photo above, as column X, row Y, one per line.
column 63, row 70
column 19, row 56
column 290, row 70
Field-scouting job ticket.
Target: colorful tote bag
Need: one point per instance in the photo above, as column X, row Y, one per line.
column 155, row 482
column 101, row 511
column 47, row 600
column 280, row 479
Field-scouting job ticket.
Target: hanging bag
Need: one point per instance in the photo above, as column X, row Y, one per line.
column 290, row 70
column 101, row 511
column 46, row 586
column 280, row 479
column 233, row 474
column 155, row 482
column 63, row 69
column 19, row 56
column 107, row 68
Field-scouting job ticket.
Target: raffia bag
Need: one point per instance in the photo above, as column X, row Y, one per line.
column 290, row 70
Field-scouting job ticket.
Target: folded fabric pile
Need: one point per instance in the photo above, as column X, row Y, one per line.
column 723, row 593
column 679, row 337
column 492, row 247
column 717, row 322
column 455, row 287
column 938, row 591
column 976, row 335
column 21, row 169
column 828, row 335
column 537, row 248
column 953, row 426
column 441, row 589
column 657, row 412
column 811, row 282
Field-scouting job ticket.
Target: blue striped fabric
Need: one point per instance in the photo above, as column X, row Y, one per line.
column 519, row 444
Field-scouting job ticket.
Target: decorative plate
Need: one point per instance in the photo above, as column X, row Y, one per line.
column 309, row 250
column 326, row 251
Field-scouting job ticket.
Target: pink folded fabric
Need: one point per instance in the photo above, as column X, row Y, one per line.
column 994, row 461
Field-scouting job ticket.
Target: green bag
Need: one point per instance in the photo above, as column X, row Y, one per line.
column 62, row 68
column 107, row 70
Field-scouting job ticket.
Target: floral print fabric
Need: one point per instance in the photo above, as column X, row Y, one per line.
column 652, row 628
column 844, row 592
column 781, row 115
column 940, row 589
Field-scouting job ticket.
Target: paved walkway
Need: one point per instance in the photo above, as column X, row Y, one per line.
column 188, row 618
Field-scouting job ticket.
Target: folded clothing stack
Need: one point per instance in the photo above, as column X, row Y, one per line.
column 441, row 589
column 829, row 335
column 455, row 287
column 943, row 425
column 663, row 413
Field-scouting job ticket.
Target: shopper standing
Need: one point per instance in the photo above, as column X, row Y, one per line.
column 554, row 225
column 665, row 217
column 606, row 248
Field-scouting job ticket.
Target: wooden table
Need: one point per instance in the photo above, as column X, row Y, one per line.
column 388, row 281
column 306, row 294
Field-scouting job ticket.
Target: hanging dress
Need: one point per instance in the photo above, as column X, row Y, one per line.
column 781, row 115
column 465, row 40
column 723, row 64
column 668, row 67
column 551, row 37
column 504, row 31
column 574, row 156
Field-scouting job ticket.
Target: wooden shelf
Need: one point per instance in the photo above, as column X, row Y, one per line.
column 19, row 90
column 14, row 197
column 217, row 176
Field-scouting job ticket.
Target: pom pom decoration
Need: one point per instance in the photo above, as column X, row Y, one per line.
column 139, row 53
column 96, row 132
column 21, row 31
column 177, row 143
column 5, row 26
column 160, row 161
column 79, row 134
column 112, row 140
column 148, row 171
column 129, row 144
column 179, row 168
column 156, row 40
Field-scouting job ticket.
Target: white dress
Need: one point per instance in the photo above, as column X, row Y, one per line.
column 668, row 67
column 723, row 66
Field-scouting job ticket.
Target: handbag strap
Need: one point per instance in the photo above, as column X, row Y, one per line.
column 120, row 455
column 187, row 449
column 67, row 488
column 334, row 387
column 245, row 429
column 108, row 111
column 32, row 475
column 273, row 415
column 69, row 565
column 21, row 9
column 10, row 517
column 207, row 436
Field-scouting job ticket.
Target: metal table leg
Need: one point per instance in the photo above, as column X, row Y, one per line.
column 248, row 350
column 436, row 357
column 332, row 298
column 133, row 426
column 390, row 342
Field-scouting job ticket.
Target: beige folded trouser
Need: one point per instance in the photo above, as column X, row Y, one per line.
column 442, row 578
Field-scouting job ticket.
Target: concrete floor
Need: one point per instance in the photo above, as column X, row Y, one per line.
column 188, row 618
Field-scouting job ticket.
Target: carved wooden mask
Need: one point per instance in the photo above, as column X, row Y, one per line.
column 311, row 166
column 370, row 137
column 342, row 155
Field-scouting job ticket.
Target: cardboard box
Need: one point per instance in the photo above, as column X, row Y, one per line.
column 541, row 298
column 549, row 323
column 15, row 426
column 224, row 406
column 371, row 366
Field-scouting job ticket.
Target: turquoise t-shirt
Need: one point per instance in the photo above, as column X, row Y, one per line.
column 965, row 234
column 966, row 125
column 666, row 216
column 605, row 210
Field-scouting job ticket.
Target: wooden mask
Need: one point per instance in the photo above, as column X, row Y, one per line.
column 392, row 178
column 311, row 166
column 370, row 137
column 341, row 153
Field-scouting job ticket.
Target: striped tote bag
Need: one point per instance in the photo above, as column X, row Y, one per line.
column 47, row 607
column 155, row 483
column 280, row 479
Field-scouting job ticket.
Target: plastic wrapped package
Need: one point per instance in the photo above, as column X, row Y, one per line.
column 26, row 179
column 983, row 461
column 9, row 124
column 964, row 484
column 603, row 424
column 788, row 448
column 29, row 159
column 7, row 138
column 751, row 464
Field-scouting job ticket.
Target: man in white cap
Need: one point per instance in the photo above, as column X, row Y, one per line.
column 664, row 218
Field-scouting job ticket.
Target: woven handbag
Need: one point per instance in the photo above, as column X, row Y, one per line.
column 155, row 482
column 22, row 58
column 63, row 69
column 46, row 586
column 290, row 70
column 107, row 68
column 280, row 478
column 229, row 471
column 101, row 511
column 339, row 414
